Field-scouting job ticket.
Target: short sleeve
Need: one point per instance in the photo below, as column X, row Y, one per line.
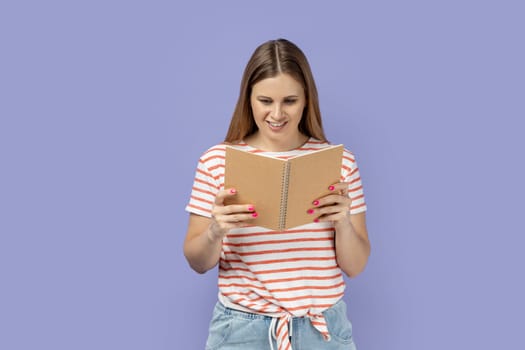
column 350, row 174
column 207, row 182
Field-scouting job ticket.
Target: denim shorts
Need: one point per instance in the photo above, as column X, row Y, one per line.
column 236, row 330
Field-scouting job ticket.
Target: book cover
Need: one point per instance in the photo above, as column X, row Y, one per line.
column 282, row 190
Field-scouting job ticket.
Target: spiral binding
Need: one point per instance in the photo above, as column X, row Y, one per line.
column 284, row 195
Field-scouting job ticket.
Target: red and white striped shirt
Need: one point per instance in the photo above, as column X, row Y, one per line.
column 282, row 274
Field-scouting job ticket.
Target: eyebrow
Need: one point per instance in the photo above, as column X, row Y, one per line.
column 285, row 97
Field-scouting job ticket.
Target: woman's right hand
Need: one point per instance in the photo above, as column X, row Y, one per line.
column 227, row 217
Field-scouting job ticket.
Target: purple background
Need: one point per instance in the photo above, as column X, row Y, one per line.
column 106, row 106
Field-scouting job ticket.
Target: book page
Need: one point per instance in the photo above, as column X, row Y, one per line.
column 258, row 181
column 310, row 176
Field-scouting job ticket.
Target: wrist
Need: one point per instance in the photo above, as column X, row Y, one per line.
column 344, row 224
column 213, row 233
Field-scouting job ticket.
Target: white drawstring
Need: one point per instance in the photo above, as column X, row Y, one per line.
column 273, row 326
column 284, row 338
column 271, row 331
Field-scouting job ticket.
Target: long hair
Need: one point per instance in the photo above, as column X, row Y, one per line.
column 267, row 61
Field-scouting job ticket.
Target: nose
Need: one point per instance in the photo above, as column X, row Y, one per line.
column 278, row 113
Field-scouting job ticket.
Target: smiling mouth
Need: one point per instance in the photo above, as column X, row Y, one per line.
column 276, row 125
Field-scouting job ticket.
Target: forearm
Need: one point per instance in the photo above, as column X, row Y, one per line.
column 352, row 248
column 203, row 251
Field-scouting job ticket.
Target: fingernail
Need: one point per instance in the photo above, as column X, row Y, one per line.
column 233, row 190
column 255, row 215
column 310, row 211
column 251, row 208
column 316, row 220
column 331, row 188
column 316, row 202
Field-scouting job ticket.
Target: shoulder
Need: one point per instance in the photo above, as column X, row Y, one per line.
column 213, row 153
column 348, row 156
column 215, row 156
column 314, row 144
column 349, row 165
column 220, row 149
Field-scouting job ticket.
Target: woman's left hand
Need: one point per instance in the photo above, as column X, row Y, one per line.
column 334, row 207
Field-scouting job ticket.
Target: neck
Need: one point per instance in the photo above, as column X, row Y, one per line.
column 277, row 145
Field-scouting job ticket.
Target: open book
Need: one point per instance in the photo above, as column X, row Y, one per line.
column 282, row 190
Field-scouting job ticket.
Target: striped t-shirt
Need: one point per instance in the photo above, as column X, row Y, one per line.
column 283, row 274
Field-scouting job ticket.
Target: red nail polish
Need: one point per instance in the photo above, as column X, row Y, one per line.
column 316, row 202
column 251, row 208
column 316, row 220
column 331, row 188
column 255, row 215
column 233, row 190
column 310, row 211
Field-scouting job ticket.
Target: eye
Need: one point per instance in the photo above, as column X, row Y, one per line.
column 290, row 101
column 265, row 101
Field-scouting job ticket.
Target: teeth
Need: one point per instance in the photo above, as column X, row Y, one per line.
column 276, row 124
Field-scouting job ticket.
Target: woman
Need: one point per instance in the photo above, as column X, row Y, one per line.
column 277, row 289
